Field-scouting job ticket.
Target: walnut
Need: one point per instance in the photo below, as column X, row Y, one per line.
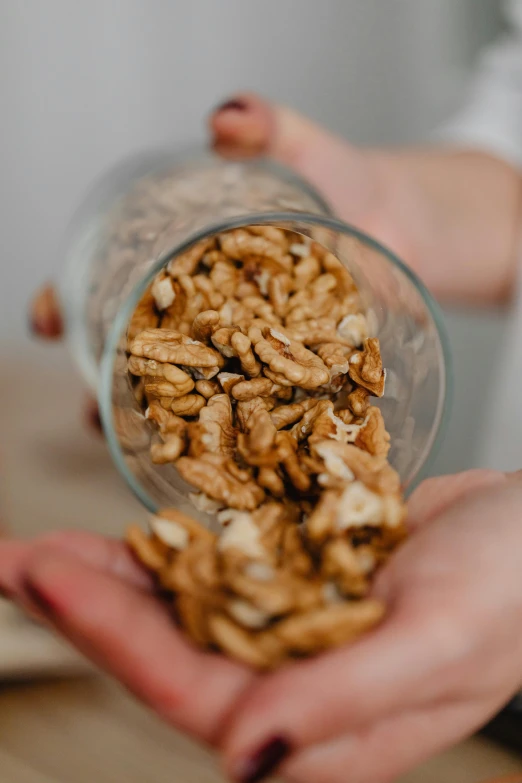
column 207, row 389
column 172, row 519
column 171, row 347
column 242, row 347
column 152, row 553
column 192, row 609
column 260, row 270
column 221, row 340
column 269, row 479
column 346, row 415
column 239, row 243
column 287, row 448
column 345, row 283
column 366, row 368
column 258, row 443
column 245, row 409
column 290, row 363
column 284, row 592
column 214, row 431
column 273, row 234
column 315, row 331
column 204, row 373
column 284, row 415
column 341, row 564
column 186, row 263
column 372, row 435
column 329, row 425
column 315, row 301
column 145, row 316
column 336, row 357
column 329, row 626
column 293, row 553
column 247, row 615
column 260, row 387
column 194, row 301
column 302, row 429
column 359, row 401
column 224, row 277
column 212, row 298
column 212, row 257
column 354, row 329
column 172, row 429
column 305, row 272
column 163, row 292
column 241, row 533
column 194, row 570
column 168, row 451
column 166, row 421
column 354, row 506
column 278, row 289
column 205, row 324
column 189, row 405
column 248, row 288
column 334, row 471
column 181, row 381
column 228, row 380
column 255, row 307
column 216, row 481
column 154, row 386
column 242, row 645
column 374, row 472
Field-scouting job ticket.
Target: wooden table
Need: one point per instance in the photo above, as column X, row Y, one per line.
column 85, row 730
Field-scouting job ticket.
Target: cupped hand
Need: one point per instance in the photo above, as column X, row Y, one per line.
column 90, row 589
column 445, row 659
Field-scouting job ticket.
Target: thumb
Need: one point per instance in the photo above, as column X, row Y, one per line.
column 247, row 125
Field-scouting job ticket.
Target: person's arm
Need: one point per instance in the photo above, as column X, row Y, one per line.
column 455, row 217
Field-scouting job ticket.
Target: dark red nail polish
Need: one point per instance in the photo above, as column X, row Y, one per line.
column 233, row 105
column 50, row 328
column 40, row 601
column 4, row 593
column 265, row 762
column 94, row 418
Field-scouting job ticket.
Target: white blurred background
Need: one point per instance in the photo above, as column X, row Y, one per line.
column 84, row 83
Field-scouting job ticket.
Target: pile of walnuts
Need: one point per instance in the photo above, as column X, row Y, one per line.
column 253, row 362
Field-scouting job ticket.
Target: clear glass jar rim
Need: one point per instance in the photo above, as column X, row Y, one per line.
column 270, row 218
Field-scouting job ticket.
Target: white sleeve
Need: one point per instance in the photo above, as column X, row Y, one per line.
column 492, row 117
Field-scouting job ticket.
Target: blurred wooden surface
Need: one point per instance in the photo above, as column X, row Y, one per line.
column 54, row 474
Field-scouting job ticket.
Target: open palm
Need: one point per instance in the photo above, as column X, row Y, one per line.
column 445, row 659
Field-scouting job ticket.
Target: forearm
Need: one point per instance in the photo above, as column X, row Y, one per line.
column 462, row 213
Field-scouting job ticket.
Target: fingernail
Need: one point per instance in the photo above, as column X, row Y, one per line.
column 46, row 318
column 93, row 418
column 50, row 326
column 40, row 601
column 265, row 762
column 233, row 105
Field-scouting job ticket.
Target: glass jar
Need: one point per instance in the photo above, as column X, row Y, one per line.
column 150, row 209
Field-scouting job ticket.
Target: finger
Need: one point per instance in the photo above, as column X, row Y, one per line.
column 104, row 554
column 92, row 415
column 309, row 702
column 386, row 751
column 45, row 314
column 131, row 635
column 436, row 495
column 247, row 124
